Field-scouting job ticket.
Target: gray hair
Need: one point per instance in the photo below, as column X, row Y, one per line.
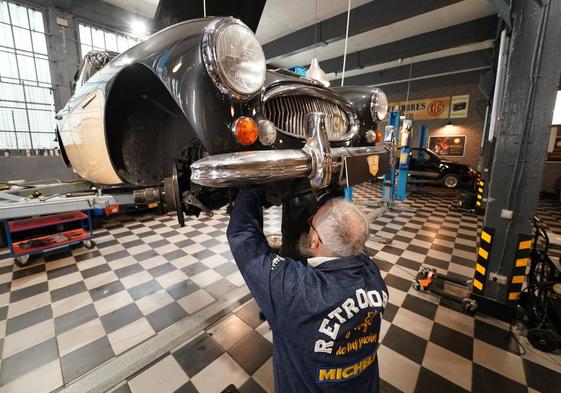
column 343, row 228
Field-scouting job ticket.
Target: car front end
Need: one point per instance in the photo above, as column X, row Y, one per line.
column 275, row 137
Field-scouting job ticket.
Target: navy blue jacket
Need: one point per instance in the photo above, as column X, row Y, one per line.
column 325, row 320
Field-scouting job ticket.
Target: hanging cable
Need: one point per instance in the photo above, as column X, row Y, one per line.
column 409, row 84
column 346, row 42
column 316, row 30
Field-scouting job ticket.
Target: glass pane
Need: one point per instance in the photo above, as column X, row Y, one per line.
column 44, row 141
column 4, row 16
column 22, row 38
column 39, row 95
column 20, row 119
column 11, row 92
column 26, row 68
column 110, row 41
column 85, row 49
column 8, row 66
column 6, row 36
column 85, row 34
column 8, row 141
column 36, row 19
column 40, row 121
column 98, row 39
column 122, row 43
column 39, row 43
column 6, row 123
column 19, row 16
column 43, row 70
column 23, row 140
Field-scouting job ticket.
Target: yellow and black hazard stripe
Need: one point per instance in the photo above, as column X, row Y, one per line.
column 483, row 253
column 521, row 260
column 480, row 191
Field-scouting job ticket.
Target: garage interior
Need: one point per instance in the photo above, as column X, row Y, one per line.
column 141, row 303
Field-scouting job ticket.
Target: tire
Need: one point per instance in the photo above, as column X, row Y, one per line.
column 469, row 305
column 88, row 243
column 22, row 260
column 543, row 339
column 451, row 181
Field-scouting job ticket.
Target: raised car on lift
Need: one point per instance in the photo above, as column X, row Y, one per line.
column 193, row 107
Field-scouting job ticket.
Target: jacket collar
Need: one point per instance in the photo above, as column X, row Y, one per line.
column 328, row 264
column 316, row 261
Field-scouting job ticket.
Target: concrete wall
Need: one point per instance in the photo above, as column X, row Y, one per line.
column 34, row 168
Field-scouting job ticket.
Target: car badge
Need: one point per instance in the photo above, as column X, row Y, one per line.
column 373, row 166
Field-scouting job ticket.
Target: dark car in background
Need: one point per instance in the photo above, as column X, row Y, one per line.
column 425, row 166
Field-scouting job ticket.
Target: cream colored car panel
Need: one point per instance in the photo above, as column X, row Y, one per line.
column 83, row 136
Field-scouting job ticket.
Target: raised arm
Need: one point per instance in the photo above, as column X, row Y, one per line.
column 270, row 278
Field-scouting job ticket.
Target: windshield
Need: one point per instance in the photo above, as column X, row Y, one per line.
column 433, row 155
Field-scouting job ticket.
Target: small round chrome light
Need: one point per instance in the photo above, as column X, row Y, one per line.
column 370, row 136
column 378, row 105
column 267, row 132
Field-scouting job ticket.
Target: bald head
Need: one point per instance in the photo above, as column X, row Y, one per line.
column 342, row 228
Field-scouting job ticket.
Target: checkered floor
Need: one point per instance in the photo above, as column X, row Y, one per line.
column 65, row 315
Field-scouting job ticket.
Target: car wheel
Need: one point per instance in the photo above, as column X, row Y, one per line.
column 451, row 181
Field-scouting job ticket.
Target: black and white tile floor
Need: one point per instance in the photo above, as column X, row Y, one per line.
column 65, row 315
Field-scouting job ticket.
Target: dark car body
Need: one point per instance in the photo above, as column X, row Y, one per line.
column 154, row 110
column 427, row 166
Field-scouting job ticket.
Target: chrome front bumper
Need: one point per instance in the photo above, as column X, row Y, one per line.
column 316, row 161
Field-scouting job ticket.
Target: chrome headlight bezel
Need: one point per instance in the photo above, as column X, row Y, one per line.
column 214, row 69
column 378, row 105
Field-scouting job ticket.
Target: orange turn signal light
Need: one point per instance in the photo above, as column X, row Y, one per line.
column 378, row 137
column 245, row 130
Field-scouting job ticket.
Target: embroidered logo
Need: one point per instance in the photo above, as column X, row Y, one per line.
column 276, row 260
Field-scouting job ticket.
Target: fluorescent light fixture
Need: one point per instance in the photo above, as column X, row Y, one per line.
column 139, row 28
column 557, row 111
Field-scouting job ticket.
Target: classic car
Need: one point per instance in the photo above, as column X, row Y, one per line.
column 426, row 166
column 193, row 110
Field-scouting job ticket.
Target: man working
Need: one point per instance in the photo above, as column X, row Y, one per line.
column 325, row 317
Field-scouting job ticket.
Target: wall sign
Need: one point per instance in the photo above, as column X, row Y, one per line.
column 455, row 107
column 459, row 107
column 451, row 146
column 424, row 109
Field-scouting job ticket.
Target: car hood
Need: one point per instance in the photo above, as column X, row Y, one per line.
column 454, row 165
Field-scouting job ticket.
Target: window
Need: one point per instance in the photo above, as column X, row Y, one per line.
column 26, row 93
column 96, row 38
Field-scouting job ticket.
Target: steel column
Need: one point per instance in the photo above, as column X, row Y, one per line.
column 521, row 134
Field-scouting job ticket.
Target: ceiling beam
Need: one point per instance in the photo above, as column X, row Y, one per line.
column 397, row 91
column 504, row 10
column 466, row 33
column 369, row 16
column 465, row 61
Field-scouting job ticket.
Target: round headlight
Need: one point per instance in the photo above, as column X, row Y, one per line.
column 378, row 105
column 234, row 58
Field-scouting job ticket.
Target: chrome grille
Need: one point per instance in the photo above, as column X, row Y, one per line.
column 288, row 113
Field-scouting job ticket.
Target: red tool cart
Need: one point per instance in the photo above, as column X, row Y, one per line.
column 27, row 236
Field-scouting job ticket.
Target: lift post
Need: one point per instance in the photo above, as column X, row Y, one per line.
column 522, row 127
column 388, row 185
column 403, row 166
column 423, row 135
